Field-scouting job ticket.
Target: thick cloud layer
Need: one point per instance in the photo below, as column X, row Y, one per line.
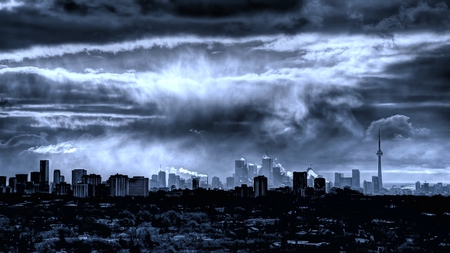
column 124, row 86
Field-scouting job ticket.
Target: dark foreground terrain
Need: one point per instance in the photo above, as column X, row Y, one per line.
column 214, row 221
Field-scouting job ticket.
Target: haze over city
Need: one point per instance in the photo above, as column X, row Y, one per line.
column 124, row 86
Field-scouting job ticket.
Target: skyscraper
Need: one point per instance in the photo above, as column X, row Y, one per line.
column 337, row 179
column 267, row 169
column 379, row 154
column 44, row 172
column 172, row 180
column 162, row 178
column 376, row 184
column 356, row 181
column 119, row 185
column 56, row 177
column 138, row 186
column 240, row 172
column 260, row 186
column 300, row 183
column 77, row 175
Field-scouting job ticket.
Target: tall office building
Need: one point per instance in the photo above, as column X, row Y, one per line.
column 379, row 154
column 56, row 177
column 172, row 180
column 260, row 186
column 230, row 182
column 2, row 181
column 12, row 184
column 356, row 181
column 35, row 177
column 21, row 178
column 91, row 179
column 240, row 172
column 162, row 178
column 80, row 190
column 337, row 179
column 44, row 172
column 77, row 175
column 195, row 183
column 300, row 183
column 319, row 185
column 276, row 173
column 267, row 169
column 252, row 170
column 119, row 185
column 368, row 187
column 215, row 183
column 375, row 184
column 139, row 186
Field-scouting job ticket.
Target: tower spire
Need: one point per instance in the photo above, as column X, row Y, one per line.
column 379, row 154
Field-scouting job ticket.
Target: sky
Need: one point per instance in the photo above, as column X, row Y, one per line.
column 127, row 86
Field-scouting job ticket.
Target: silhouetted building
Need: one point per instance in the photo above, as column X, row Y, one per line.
column 77, row 175
column 12, row 184
column 139, row 186
column 418, row 190
column 426, row 187
column 62, row 189
column 80, row 190
column 35, row 177
column 319, row 185
column 267, row 168
column 346, row 182
column 56, row 177
column 44, row 166
column 119, row 185
column 195, row 183
column 300, row 183
column 21, row 178
column 2, row 181
column 162, row 178
column 356, row 181
column 243, row 191
column 375, row 184
column 215, row 182
column 92, row 179
column 260, row 186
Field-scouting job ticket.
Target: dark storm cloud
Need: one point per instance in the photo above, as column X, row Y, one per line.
column 77, row 21
column 395, row 127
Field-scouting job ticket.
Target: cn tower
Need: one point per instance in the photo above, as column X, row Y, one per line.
column 379, row 154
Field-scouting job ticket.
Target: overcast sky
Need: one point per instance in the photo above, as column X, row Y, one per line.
column 124, row 86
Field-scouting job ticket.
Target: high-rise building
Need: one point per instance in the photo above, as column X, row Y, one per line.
column 2, row 181
column 417, row 187
column 244, row 191
column 162, row 178
column 356, row 181
column 300, row 183
column 91, row 179
column 267, row 169
column 379, row 154
column 12, row 184
column 215, row 183
column 260, row 186
column 172, row 180
column 376, row 184
column 44, row 166
column 337, row 179
column 56, row 177
column 80, row 190
column 346, row 182
column 119, row 185
column 252, row 170
column 240, row 172
column 319, row 185
column 276, row 174
column 195, row 183
column 77, row 175
column 35, row 177
column 368, row 187
column 230, row 182
column 139, row 186
column 21, row 178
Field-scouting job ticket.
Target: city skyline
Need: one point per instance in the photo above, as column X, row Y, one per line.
column 127, row 86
